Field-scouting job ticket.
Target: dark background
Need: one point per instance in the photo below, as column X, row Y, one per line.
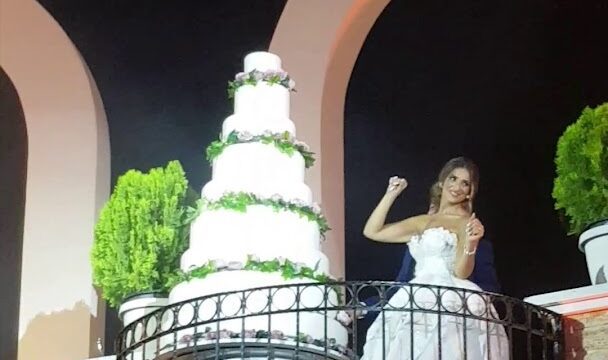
column 13, row 168
column 495, row 81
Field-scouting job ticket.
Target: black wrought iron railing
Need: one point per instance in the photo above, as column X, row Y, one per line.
column 346, row 320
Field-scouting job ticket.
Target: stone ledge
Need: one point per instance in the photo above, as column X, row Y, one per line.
column 573, row 301
column 585, row 319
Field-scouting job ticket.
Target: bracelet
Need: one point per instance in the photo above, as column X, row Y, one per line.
column 467, row 252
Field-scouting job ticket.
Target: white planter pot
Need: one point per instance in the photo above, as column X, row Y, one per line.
column 140, row 305
column 132, row 309
column 594, row 243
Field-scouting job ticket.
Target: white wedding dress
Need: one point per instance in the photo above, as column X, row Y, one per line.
column 435, row 253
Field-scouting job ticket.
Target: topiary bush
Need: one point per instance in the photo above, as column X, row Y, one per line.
column 141, row 233
column 580, row 188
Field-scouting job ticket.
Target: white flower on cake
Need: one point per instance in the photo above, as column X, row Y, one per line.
column 244, row 136
column 316, row 208
column 298, row 202
column 302, row 144
column 240, row 76
column 220, row 263
column 276, row 197
column 343, row 318
column 235, row 265
column 257, row 75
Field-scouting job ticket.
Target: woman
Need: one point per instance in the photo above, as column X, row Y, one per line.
column 443, row 243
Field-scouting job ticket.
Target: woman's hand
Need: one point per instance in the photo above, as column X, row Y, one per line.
column 396, row 185
column 475, row 232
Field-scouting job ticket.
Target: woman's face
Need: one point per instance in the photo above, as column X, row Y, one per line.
column 457, row 186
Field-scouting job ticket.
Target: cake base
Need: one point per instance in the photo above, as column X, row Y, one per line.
column 288, row 312
column 261, row 350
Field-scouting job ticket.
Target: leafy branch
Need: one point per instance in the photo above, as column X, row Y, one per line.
column 581, row 185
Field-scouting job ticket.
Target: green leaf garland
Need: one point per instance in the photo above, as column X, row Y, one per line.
column 241, row 201
column 288, row 270
column 271, row 77
column 282, row 141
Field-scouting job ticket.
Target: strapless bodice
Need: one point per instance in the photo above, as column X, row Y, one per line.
column 434, row 251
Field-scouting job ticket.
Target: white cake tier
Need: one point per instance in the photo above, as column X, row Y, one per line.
column 256, row 163
column 310, row 323
column 214, row 189
column 256, row 126
column 231, row 236
column 262, row 61
column 262, row 101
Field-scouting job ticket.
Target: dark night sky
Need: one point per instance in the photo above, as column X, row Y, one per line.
column 495, row 81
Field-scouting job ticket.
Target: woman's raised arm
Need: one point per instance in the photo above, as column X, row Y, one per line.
column 398, row 232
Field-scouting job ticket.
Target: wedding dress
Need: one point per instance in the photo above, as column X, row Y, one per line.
column 424, row 335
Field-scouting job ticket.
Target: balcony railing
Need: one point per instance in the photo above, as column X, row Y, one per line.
column 320, row 321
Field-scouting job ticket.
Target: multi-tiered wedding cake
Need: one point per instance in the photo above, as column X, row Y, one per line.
column 258, row 225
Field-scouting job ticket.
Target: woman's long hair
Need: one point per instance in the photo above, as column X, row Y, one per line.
column 455, row 163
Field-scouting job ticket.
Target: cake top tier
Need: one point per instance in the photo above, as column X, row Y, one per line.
column 262, row 61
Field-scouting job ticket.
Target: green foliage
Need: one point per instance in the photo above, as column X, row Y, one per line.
column 240, row 201
column 581, row 185
column 141, row 232
column 283, row 142
column 287, row 269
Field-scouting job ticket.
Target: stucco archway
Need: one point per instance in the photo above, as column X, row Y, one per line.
column 68, row 179
column 319, row 42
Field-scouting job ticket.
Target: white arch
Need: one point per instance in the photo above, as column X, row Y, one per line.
column 319, row 42
column 68, row 178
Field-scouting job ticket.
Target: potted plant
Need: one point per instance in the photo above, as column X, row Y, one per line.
column 580, row 188
column 140, row 235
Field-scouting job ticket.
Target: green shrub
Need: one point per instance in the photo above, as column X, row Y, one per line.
column 141, row 233
column 580, row 188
